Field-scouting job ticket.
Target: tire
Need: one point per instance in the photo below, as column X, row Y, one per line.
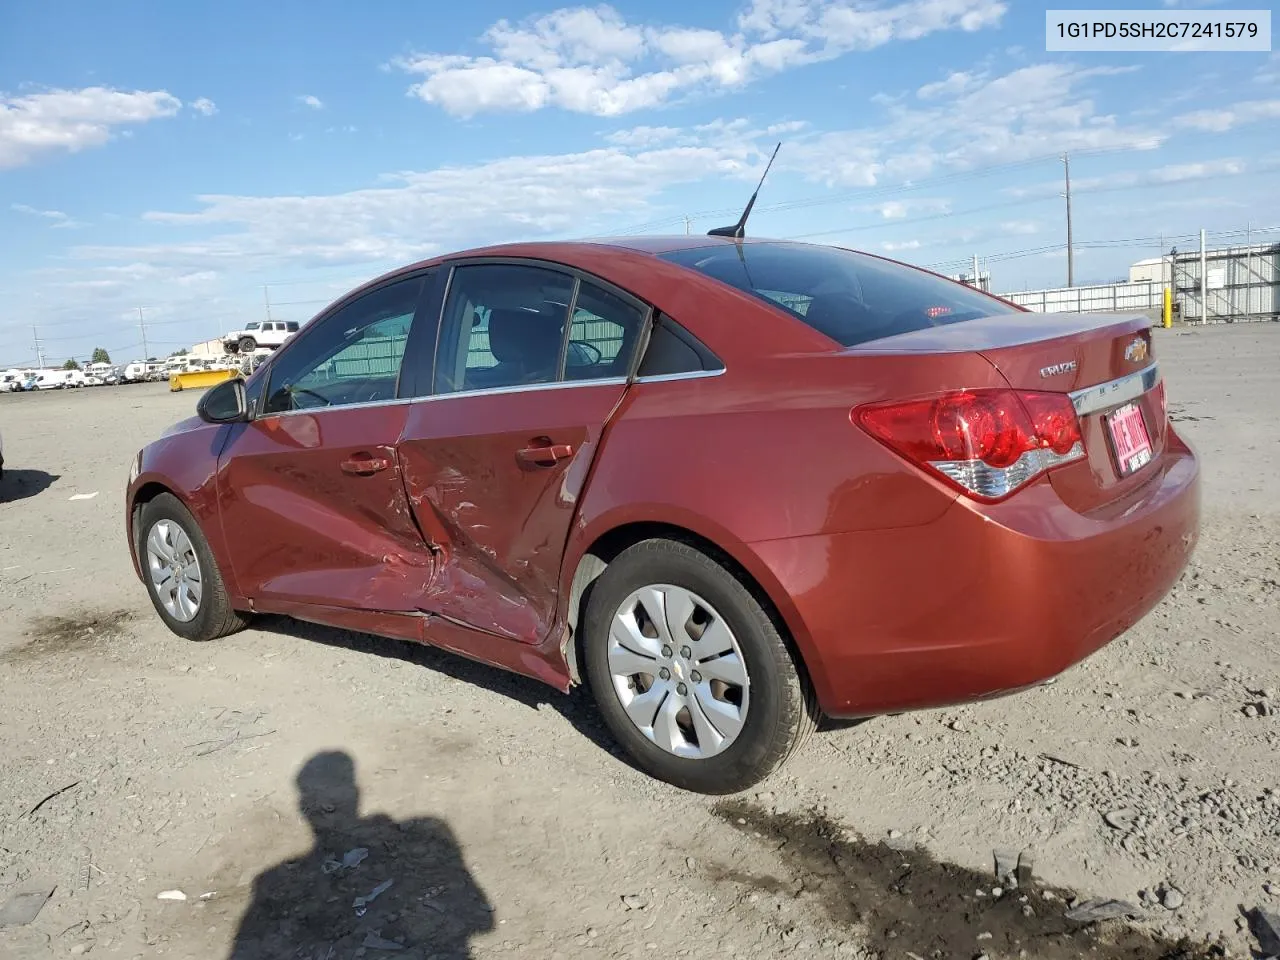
column 780, row 711
column 213, row 615
column 248, row 344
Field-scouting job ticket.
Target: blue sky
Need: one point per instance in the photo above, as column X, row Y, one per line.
column 198, row 159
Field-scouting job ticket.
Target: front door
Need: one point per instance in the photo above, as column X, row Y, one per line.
column 313, row 504
column 495, row 458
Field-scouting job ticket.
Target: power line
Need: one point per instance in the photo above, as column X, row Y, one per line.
column 869, row 193
column 882, row 224
column 1160, row 242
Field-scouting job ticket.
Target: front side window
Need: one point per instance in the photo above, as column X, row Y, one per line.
column 851, row 297
column 252, row 326
column 503, row 326
column 353, row 356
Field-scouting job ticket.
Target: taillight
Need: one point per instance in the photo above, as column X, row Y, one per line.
column 986, row 442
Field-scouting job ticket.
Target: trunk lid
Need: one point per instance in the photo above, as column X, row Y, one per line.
column 1067, row 353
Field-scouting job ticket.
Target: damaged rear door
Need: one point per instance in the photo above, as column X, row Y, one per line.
column 532, row 361
column 313, row 504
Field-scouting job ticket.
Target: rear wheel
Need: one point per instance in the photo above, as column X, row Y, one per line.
column 181, row 574
column 248, row 344
column 689, row 671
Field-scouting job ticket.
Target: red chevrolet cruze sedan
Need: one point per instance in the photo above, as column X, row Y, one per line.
column 729, row 484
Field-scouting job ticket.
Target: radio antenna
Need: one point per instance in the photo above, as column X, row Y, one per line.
column 739, row 229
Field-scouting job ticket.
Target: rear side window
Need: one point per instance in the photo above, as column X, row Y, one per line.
column 850, row 297
column 674, row 350
column 602, row 334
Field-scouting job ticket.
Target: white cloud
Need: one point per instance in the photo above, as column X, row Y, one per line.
column 569, row 35
column 1269, row 72
column 1227, row 118
column 1168, row 174
column 915, row 206
column 643, row 136
column 591, row 60
column 204, row 106
column 861, row 25
column 308, row 100
column 1030, row 112
column 524, row 196
column 717, row 131
column 955, row 84
column 1019, row 228
column 898, row 246
column 1178, row 172
column 56, row 217
column 73, row 120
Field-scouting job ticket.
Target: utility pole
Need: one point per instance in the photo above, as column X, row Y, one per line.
column 1204, row 281
column 688, row 222
column 1071, row 255
column 976, row 282
column 266, row 294
column 142, row 325
column 39, row 351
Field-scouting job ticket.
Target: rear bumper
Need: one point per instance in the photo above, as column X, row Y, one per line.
column 986, row 600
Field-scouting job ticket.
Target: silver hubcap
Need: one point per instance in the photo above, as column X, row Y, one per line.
column 678, row 671
column 175, row 570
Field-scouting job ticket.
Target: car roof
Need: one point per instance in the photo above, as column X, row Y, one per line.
column 656, row 244
column 568, row 252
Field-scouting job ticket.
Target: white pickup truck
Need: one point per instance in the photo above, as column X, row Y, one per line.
column 269, row 334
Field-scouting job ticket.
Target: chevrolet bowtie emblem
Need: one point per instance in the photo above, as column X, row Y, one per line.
column 1136, row 351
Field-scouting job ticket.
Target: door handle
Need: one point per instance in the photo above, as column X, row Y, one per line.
column 545, row 456
column 365, row 467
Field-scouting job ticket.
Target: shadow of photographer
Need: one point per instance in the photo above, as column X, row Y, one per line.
column 371, row 882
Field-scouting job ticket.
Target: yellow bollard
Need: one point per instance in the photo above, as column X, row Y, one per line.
column 1168, row 307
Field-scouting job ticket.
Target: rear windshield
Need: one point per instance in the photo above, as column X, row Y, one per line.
column 850, row 297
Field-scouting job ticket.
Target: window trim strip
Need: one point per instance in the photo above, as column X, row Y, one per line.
column 686, row 375
column 524, row 387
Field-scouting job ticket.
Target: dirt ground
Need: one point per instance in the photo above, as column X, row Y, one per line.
column 290, row 772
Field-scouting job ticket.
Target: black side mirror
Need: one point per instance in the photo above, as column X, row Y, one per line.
column 225, row 403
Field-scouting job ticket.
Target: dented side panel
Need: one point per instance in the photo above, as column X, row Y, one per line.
column 499, row 521
column 302, row 529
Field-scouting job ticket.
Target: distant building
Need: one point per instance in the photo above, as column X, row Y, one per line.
column 1153, row 269
column 210, row 348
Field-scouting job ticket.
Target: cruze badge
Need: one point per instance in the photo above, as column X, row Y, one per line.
column 1067, row 366
column 1136, row 352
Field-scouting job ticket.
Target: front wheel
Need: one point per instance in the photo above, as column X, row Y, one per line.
column 181, row 574
column 248, row 344
column 689, row 671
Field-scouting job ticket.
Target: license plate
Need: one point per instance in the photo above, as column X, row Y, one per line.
column 1130, row 439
